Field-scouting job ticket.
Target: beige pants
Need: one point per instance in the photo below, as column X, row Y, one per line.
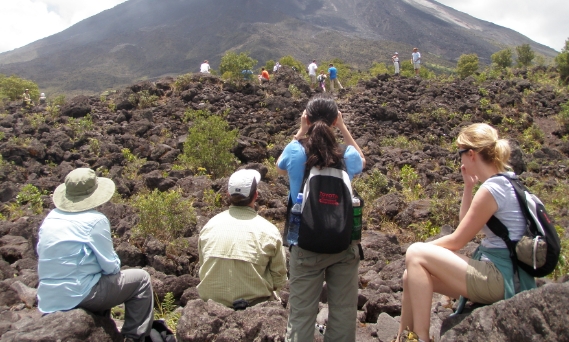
column 484, row 282
column 335, row 82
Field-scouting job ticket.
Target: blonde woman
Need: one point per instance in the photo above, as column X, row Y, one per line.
column 436, row 267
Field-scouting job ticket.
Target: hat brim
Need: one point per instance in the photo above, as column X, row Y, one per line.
column 104, row 192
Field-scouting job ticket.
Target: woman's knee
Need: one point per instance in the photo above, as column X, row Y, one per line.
column 415, row 251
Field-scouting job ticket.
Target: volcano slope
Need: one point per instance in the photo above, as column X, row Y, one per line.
column 411, row 186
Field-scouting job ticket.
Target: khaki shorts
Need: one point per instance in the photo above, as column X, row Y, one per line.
column 484, row 282
column 312, row 78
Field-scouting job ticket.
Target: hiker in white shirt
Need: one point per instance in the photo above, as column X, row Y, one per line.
column 205, row 67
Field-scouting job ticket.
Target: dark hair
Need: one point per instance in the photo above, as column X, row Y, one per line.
column 242, row 201
column 321, row 145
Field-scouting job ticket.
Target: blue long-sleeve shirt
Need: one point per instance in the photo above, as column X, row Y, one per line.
column 74, row 250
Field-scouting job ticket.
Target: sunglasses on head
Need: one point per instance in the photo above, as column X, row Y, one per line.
column 460, row 152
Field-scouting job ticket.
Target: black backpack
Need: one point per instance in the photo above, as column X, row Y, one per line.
column 327, row 212
column 537, row 252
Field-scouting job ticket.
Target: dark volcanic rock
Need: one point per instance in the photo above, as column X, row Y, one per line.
column 537, row 315
column 73, row 326
column 209, row 321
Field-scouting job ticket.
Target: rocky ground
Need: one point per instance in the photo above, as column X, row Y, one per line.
column 396, row 121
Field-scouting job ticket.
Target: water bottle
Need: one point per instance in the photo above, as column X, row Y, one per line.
column 357, row 204
column 294, row 221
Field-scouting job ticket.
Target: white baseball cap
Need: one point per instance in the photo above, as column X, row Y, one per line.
column 241, row 181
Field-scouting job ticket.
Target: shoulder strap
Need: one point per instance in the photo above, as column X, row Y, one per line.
column 343, row 148
column 498, row 228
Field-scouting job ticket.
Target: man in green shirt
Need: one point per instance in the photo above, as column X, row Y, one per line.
column 241, row 254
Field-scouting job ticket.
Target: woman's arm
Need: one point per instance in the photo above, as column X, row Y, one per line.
column 469, row 182
column 348, row 139
column 483, row 206
column 299, row 135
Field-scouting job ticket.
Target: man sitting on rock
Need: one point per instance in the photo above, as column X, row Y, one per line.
column 27, row 99
column 241, row 256
column 78, row 267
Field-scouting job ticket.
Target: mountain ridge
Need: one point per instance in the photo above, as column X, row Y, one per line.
column 142, row 39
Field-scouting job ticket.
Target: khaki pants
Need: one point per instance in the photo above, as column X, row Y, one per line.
column 335, row 82
column 131, row 287
column 308, row 270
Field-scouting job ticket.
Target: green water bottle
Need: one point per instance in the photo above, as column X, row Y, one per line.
column 357, row 204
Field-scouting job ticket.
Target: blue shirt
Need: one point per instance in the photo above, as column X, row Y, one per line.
column 332, row 71
column 74, row 250
column 293, row 160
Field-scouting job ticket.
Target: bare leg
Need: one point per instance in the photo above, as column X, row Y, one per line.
column 430, row 268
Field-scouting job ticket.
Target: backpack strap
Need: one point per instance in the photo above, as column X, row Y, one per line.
column 500, row 230
column 343, row 148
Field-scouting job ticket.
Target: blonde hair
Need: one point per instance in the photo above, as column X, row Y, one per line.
column 483, row 139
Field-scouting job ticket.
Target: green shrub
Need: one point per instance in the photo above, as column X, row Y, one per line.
column 293, row 63
column 13, row 87
column 165, row 310
column 445, row 204
column 371, row 186
column 183, row 81
column 80, row 126
column 412, row 189
column 269, row 65
column 134, row 164
column 467, row 65
column 562, row 62
column 232, row 64
column 563, row 116
column 164, row 215
column 32, row 196
column 296, row 93
column 502, row 59
column 212, row 199
column 562, row 267
column 532, row 138
column 209, row 144
column 525, row 55
column 143, row 99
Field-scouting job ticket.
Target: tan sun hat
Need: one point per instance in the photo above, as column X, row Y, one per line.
column 83, row 190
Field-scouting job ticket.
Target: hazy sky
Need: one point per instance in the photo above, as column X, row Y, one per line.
column 25, row 21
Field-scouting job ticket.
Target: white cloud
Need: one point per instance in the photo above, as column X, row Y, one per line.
column 25, row 21
column 542, row 21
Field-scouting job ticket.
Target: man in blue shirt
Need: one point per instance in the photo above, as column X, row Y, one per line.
column 334, row 77
column 78, row 266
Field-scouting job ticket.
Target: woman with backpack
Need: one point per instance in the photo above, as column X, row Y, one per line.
column 436, row 267
column 315, row 145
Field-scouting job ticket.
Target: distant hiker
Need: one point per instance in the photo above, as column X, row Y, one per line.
column 416, row 60
column 247, row 74
column 333, row 72
column 395, row 60
column 26, row 98
column 312, row 67
column 241, row 256
column 205, row 67
column 42, row 98
column 78, row 266
column 264, row 76
column 322, row 80
column 276, row 67
column 436, row 267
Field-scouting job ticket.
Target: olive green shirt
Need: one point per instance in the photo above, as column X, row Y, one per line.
column 241, row 256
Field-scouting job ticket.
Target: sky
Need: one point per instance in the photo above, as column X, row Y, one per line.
column 25, row 21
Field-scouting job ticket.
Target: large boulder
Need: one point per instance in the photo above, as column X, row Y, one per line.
column 537, row 315
column 210, row 321
column 70, row 326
